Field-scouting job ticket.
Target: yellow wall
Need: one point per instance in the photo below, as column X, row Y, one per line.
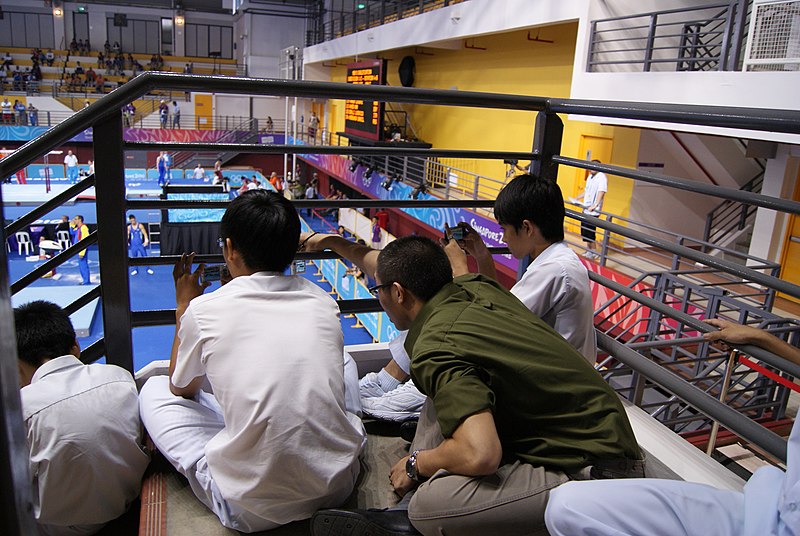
column 510, row 64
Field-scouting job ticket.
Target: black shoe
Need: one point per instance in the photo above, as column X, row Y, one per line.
column 361, row 523
column 408, row 429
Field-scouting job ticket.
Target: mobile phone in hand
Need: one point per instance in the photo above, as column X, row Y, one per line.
column 213, row 273
column 455, row 233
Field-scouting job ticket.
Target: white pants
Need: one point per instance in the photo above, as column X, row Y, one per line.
column 651, row 507
column 181, row 428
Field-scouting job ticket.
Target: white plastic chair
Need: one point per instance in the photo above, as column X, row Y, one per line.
column 63, row 239
column 24, row 241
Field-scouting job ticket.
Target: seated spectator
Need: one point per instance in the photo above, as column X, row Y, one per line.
column 130, row 61
column 82, row 425
column 512, row 411
column 275, row 442
column 73, row 46
column 116, row 48
column 78, row 68
column 36, row 72
column 101, row 60
column 100, row 84
column 106, row 47
column 91, row 77
column 8, row 61
column 767, row 505
column 50, row 57
column 18, row 81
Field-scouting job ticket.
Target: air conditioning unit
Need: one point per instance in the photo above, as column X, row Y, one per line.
column 773, row 42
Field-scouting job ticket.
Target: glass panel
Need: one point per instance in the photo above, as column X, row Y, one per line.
column 202, row 40
column 46, row 32
column 32, row 30
column 191, row 40
column 152, row 37
column 5, row 31
column 18, row 32
column 213, row 39
column 227, row 42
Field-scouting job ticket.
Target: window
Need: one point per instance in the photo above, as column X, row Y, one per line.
column 27, row 30
column 202, row 39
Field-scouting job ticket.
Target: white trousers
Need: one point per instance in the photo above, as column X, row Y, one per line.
column 181, row 428
column 637, row 507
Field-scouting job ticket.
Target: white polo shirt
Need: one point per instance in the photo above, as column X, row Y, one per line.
column 594, row 184
column 555, row 287
column 71, row 160
column 271, row 347
column 84, row 436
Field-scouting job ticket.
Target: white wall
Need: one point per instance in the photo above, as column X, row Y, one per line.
column 239, row 106
column 267, row 36
column 459, row 21
column 770, row 226
column 677, row 211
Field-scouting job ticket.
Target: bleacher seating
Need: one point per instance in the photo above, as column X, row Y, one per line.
column 66, row 63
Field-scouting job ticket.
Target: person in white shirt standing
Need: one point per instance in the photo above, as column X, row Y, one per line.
column 82, row 426
column 71, row 161
column 275, row 441
column 593, row 196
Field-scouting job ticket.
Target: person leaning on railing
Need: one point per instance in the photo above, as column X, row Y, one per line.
column 768, row 506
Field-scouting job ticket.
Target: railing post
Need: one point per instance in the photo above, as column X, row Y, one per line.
column 546, row 143
column 604, row 244
column 590, row 48
column 651, row 37
column 16, row 510
column 112, row 248
column 737, row 36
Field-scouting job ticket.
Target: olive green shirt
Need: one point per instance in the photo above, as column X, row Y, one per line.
column 475, row 346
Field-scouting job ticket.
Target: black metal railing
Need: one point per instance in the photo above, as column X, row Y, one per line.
column 109, row 148
column 730, row 216
column 699, row 38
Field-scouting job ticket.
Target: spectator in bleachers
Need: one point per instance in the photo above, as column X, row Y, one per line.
column 176, row 115
column 73, row 46
column 270, row 125
column 22, row 119
column 129, row 61
column 7, row 61
column 137, row 67
column 90, row 77
column 78, row 69
column 188, row 69
column 83, row 47
column 18, row 81
column 101, row 60
column 75, row 82
column 116, row 48
column 50, row 57
column 36, row 72
column 100, row 84
column 33, row 115
column 82, row 425
column 7, row 111
column 107, row 47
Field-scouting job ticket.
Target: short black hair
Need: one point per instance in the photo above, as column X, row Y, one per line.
column 79, row 217
column 264, row 227
column 44, row 331
column 418, row 263
column 132, row 217
column 528, row 197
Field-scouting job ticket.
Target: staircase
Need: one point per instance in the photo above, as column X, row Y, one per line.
column 730, row 224
column 244, row 132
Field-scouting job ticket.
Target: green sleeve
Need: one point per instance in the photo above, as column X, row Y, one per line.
column 458, row 389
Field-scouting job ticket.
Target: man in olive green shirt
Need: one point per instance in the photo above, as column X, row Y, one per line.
column 513, row 411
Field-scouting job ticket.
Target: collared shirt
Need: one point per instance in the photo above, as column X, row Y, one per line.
column 84, row 436
column 474, row 346
column 71, row 160
column 555, row 287
column 772, row 497
column 271, row 347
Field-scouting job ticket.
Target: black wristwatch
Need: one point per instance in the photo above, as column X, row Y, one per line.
column 411, row 468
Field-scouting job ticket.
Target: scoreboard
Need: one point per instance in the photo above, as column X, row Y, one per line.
column 365, row 118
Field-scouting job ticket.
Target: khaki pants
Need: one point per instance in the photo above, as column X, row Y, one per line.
column 509, row 502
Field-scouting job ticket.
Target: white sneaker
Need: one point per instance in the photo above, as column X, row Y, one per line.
column 134, row 272
column 369, row 386
column 150, row 271
column 400, row 404
column 587, row 254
